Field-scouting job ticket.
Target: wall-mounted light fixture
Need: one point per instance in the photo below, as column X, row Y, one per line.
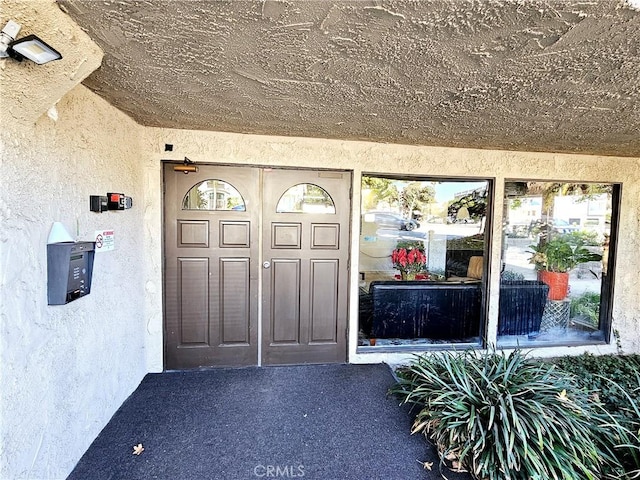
column 30, row 47
column 186, row 167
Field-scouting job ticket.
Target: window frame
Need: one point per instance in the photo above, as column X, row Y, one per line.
column 607, row 282
column 485, row 282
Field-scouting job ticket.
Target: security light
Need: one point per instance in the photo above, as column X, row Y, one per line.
column 34, row 49
column 30, row 47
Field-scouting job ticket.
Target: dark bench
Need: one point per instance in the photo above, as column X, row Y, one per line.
column 447, row 311
column 418, row 309
column 521, row 307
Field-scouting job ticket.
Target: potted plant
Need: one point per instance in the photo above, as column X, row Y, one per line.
column 409, row 259
column 555, row 258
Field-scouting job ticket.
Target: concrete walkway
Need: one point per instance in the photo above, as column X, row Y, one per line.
column 313, row 422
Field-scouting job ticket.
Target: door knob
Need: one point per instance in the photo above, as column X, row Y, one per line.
column 266, row 264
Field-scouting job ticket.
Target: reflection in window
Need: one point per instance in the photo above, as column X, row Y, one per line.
column 422, row 256
column 305, row 198
column 213, row 195
column 555, row 285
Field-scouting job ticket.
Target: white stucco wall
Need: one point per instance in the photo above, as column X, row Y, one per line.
column 66, row 369
column 384, row 158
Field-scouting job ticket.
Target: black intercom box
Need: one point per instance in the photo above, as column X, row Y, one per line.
column 98, row 203
column 116, row 201
column 112, row 201
column 69, row 271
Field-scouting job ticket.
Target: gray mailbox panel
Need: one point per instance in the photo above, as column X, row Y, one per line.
column 69, row 271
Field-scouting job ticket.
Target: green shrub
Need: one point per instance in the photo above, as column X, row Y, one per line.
column 505, row 417
column 584, row 237
column 607, row 375
column 586, row 305
column 411, row 244
column 627, row 429
column 615, row 379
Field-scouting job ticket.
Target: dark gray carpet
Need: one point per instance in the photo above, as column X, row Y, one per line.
column 311, row 422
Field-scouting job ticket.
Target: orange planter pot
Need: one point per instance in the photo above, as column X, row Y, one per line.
column 558, row 284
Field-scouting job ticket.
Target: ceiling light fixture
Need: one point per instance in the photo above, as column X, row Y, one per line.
column 30, row 47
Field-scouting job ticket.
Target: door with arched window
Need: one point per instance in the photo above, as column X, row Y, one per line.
column 256, row 266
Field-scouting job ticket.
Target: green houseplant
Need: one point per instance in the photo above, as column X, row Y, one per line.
column 555, row 258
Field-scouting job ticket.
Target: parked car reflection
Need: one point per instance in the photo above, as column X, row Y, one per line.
column 390, row 220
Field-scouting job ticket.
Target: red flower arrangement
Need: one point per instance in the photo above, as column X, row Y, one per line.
column 408, row 262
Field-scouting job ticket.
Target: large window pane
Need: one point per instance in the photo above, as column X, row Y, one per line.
column 422, row 258
column 555, row 285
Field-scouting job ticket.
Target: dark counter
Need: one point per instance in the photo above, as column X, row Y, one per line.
column 419, row 309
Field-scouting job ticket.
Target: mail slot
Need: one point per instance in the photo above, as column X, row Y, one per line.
column 69, row 271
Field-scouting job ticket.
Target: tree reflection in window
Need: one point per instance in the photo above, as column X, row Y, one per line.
column 306, row 198
column 443, row 219
column 213, row 195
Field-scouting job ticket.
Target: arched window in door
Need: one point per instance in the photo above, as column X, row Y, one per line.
column 306, row 198
column 213, row 194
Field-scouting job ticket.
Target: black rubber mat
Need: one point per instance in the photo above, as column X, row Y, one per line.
column 312, row 422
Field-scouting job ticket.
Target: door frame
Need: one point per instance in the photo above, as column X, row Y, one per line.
column 349, row 225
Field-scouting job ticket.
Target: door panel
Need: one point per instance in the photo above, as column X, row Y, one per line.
column 211, row 269
column 235, row 301
column 193, row 280
column 305, row 289
column 285, row 301
column 214, row 268
column 324, row 315
column 193, row 233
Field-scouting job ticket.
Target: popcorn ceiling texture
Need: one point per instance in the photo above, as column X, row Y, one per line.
column 535, row 75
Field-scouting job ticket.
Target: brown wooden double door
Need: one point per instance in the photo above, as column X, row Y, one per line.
column 256, row 266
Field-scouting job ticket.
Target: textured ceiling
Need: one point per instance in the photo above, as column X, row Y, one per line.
column 535, row 75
